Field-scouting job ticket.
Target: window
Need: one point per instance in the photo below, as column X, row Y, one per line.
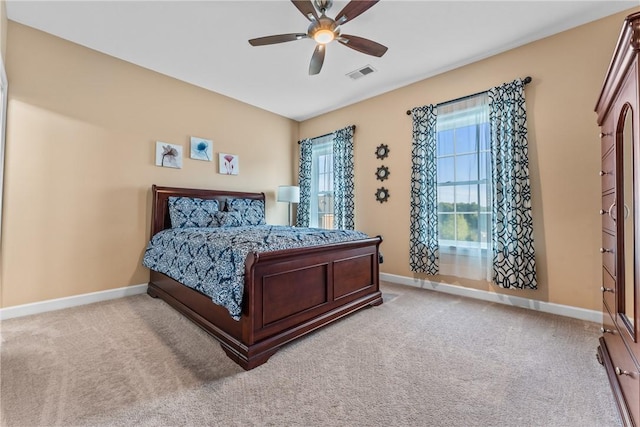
column 464, row 168
column 463, row 162
column 457, row 227
column 322, row 201
column 327, row 181
column 463, row 156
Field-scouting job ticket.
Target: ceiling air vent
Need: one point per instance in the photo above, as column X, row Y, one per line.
column 367, row 69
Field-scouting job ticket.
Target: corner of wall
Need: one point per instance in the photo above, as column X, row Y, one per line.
column 3, row 29
column 3, row 49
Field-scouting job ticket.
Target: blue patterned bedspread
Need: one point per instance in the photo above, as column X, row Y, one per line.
column 211, row 260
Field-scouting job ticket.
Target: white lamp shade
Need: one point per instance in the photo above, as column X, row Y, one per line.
column 289, row 193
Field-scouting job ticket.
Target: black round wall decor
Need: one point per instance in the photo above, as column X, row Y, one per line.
column 382, row 151
column 382, row 194
column 382, row 173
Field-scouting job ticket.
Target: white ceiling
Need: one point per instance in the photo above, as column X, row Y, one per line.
column 205, row 42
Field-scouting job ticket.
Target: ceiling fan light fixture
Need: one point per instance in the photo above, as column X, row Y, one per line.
column 324, row 36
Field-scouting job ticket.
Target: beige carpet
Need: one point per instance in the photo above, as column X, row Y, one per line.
column 420, row 359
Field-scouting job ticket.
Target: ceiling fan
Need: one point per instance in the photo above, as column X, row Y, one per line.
column 324, row 30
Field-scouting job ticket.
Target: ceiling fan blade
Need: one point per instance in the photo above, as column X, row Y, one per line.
column 362, row 45
column 353, row 9
column 317, row 60
column 306, row 8
column 280, row 38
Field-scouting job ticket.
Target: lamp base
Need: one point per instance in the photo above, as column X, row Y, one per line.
column 290, row 214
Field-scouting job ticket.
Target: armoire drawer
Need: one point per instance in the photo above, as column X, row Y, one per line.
column 625, row 369
column 608, row 291
column 608, row 250
column 608, row 213
column 607, row 173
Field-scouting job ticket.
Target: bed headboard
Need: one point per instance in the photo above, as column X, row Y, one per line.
column 160, row 205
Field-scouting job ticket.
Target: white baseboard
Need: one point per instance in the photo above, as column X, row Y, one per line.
column 67, row 302
column 546, row 307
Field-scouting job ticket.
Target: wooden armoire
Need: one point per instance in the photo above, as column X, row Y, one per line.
column 619, row 121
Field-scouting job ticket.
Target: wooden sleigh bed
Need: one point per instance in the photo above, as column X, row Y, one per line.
column 287, row 293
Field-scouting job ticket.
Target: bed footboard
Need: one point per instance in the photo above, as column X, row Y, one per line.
column 287, row 294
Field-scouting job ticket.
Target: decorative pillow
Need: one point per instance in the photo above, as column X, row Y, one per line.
column 192, row 212
column 229, row 219
column 252, row 211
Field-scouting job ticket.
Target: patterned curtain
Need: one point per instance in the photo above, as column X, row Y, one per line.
column 343, row 179
column 304, row 181
column 423, row 238
column 512, row 225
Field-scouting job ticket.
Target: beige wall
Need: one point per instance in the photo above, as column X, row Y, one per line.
column 567, row 71
column 82, row 128
column 3, row 29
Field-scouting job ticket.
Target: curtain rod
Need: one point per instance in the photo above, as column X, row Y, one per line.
column 327, row 134
column 526, row 81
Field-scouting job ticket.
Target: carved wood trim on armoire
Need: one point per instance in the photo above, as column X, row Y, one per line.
column 618, row 118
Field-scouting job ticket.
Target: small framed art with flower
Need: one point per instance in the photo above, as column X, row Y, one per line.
column 168, row 155
column 229, row 164
column 201, row 149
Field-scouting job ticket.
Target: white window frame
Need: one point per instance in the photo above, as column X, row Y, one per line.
column 453, row 121
column 321, row 146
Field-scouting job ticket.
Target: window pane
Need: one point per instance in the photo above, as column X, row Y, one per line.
column 325, row 183
column 484, row 199
column 467, row 167
column 325, row 173
column 484, row 227
column 446, row 227
column 467, row 198
column 445, row 198
column 445, row 142
column 484, row 137
column 321, row 206
column 467, row 227
column 445, row 170
column 324, row 204
column 466, row 139
column 325, row 221
column 484, row 165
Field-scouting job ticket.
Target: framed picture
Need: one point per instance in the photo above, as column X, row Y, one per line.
column 229, row 164
column 201, row 149
column 168, row 155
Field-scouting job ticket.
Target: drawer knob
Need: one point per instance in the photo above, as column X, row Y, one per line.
column 606, row 331
column 602, row 211
column 603, row 173
column 623, row 372
column 605, row 250
column 602, row 134
column 603, row 289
